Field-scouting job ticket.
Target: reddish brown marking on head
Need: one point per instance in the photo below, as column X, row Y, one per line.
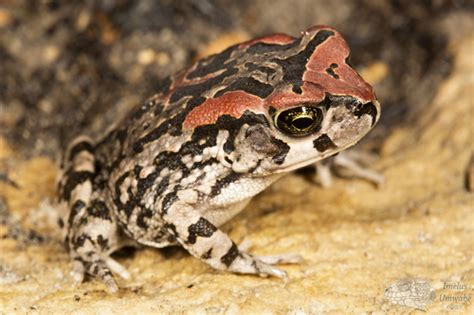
column 335, row 51
column 279, row 38
column 232, row 103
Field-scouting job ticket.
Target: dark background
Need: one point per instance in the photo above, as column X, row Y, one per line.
column 70, row 67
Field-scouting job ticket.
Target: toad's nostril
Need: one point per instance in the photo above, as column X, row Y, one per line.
column 368, row 109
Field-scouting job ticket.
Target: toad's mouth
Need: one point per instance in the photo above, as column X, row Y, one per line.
column 295, row 166
column 291, row 167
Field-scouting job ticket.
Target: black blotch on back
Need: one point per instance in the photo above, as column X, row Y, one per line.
column 211, row 64
column 249, row 85
column 323, row 143
column 262, row 48
column 253, row 67
column 172, row 126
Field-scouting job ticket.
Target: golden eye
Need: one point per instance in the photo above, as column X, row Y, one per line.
column 299, row 121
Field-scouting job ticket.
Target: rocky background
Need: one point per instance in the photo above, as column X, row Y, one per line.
column 70, row 67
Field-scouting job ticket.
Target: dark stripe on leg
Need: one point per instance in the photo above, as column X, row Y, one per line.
column 76, row 207
column 230, row 256
column 207, row 254
column 202, row 228
column 74, row 179
column 79, row 147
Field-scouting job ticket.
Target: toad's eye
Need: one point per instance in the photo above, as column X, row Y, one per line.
column 299, row 121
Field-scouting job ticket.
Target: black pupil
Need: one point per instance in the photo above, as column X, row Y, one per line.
column 302, row 123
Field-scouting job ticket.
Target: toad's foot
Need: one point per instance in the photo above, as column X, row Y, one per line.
column 281, row 259
column 288, row 258
column 348, row 164
column 91, row 260
column 250, row 264
column 90, row 245
column 101, row 269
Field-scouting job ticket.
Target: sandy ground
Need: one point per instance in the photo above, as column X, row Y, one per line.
column 403, row 248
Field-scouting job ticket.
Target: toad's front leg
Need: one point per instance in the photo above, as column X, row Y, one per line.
column 205, row 241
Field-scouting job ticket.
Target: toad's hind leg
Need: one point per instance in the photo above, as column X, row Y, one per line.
column 92, row 238
column 91, row 231
column 350, row 163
